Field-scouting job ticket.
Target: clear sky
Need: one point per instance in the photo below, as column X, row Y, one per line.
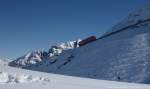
column 27, row 25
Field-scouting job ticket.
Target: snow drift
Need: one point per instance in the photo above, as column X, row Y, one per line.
column 20, row 78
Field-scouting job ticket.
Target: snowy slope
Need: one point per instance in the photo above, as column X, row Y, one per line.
column 122, row 56
column 15, row 78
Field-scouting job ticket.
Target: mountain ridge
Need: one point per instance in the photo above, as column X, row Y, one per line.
column 34, row 57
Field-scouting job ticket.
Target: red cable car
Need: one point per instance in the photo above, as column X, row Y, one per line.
column 87, row 40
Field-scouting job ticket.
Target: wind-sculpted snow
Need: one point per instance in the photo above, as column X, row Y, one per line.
column 6, row 78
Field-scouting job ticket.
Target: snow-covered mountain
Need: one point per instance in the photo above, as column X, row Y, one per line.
column 35, row 57
column 121, row 54
column 16, row 78
column 28, row 59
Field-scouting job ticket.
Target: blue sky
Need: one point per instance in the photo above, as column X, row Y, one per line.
column 27, row 25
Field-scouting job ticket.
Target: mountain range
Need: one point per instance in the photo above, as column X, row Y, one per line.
column 121, row 54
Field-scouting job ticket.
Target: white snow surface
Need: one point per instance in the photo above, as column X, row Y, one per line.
column 6, row 78
column 7, row 75
column 15, row 78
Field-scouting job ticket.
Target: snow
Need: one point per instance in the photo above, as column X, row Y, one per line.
column 3, row 77
column 15, row 78
column 4, row 61
column 8, row 76
column 21, row 78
